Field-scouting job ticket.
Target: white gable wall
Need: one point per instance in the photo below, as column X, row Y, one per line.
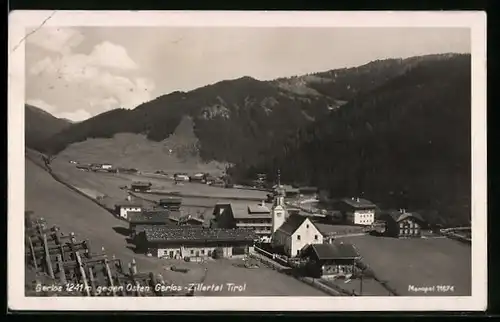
column 364, row 217
column 308, row 233
column 124, row 211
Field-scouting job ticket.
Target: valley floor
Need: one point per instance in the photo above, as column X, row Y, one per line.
column 72, row 212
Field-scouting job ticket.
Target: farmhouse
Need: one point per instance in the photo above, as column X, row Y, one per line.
column 83, row 167
column 140, row 186
column 106, row 166
column 170, row 203
column 296, row 233
column 181, row 177
column 123, row 209
column 239, row 215
column 402, row 224
column 195, row 242
column 199, row 177
column 357, row 211
column 331, row 260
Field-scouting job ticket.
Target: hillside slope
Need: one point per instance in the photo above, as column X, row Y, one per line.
column 235, row 120
column 403, row 144
column 40, row 125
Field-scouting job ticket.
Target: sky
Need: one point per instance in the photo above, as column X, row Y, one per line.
column 77, row 73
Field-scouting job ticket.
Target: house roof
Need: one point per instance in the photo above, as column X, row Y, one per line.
column 292, row 224
column 151, row 216
column 140, row 183
column 258, row 209
column 243, row 210
column 127, row 203
column 197, row 234
column 398, row 216
column 170, row 200
column 334, row 251
column 359, row 203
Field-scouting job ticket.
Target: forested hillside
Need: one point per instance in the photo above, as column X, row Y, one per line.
column 40, row 125
column 235, row 120
column 405, row 144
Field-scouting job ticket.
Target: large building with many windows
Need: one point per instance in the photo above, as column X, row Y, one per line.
column 242, row 215
column 195, row 243
column 402, row 224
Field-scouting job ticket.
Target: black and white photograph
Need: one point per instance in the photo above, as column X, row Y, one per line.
column 323, row 161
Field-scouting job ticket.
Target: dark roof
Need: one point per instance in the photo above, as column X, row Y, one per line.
column 358, row 203
column 292, row 224
column 398, row 216
column 258, row 209
column 151, row 216
column 138, row 184
column 170, row 200
column 197, row 234
column 334, row 251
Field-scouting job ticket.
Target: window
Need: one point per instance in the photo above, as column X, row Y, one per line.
column 307, row 226
column 315, row 237
column 298, row 252
column 203, row 252
column 192, row 252
column 298, row 237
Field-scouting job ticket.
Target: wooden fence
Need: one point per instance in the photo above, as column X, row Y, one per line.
column 59, row 259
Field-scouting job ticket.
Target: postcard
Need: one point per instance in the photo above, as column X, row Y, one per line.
column 247, row 161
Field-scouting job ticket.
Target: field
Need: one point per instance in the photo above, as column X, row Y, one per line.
column 135, row 151
column 418, row 262
column 75, row 213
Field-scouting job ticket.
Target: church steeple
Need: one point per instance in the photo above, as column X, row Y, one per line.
column 278, row 210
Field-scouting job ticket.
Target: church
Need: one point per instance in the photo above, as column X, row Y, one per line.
column 291, row 233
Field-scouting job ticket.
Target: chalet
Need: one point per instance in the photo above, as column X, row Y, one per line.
column 357, row 211
column 123, row 209
column 402, row 224
column 83, row 167
column 209, row 179
column 331, row 260
column 295, row 234
column 240, row 215
column 195, row 242
column 106, row 166
column 199, row 177
column 170, row 203
column 181, row 177
column 218, row 182
column 149, row 218
column 140, row 186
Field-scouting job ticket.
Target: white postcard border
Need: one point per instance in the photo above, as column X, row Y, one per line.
column 20, row 21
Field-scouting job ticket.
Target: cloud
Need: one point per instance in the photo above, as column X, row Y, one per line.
column 111, row 55
column 77, row 116
column 55, row 39
column 105, row 79
column 43, row 105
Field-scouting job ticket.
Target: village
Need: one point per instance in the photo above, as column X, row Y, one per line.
column 296, row 231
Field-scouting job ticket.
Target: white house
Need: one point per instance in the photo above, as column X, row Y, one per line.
column 295, row 234
column 357, row 211
column 106, row 166
column 122, row 209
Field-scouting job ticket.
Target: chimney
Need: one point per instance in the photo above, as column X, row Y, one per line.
column 263, row 203
column 403, row 210
column 357, row 199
